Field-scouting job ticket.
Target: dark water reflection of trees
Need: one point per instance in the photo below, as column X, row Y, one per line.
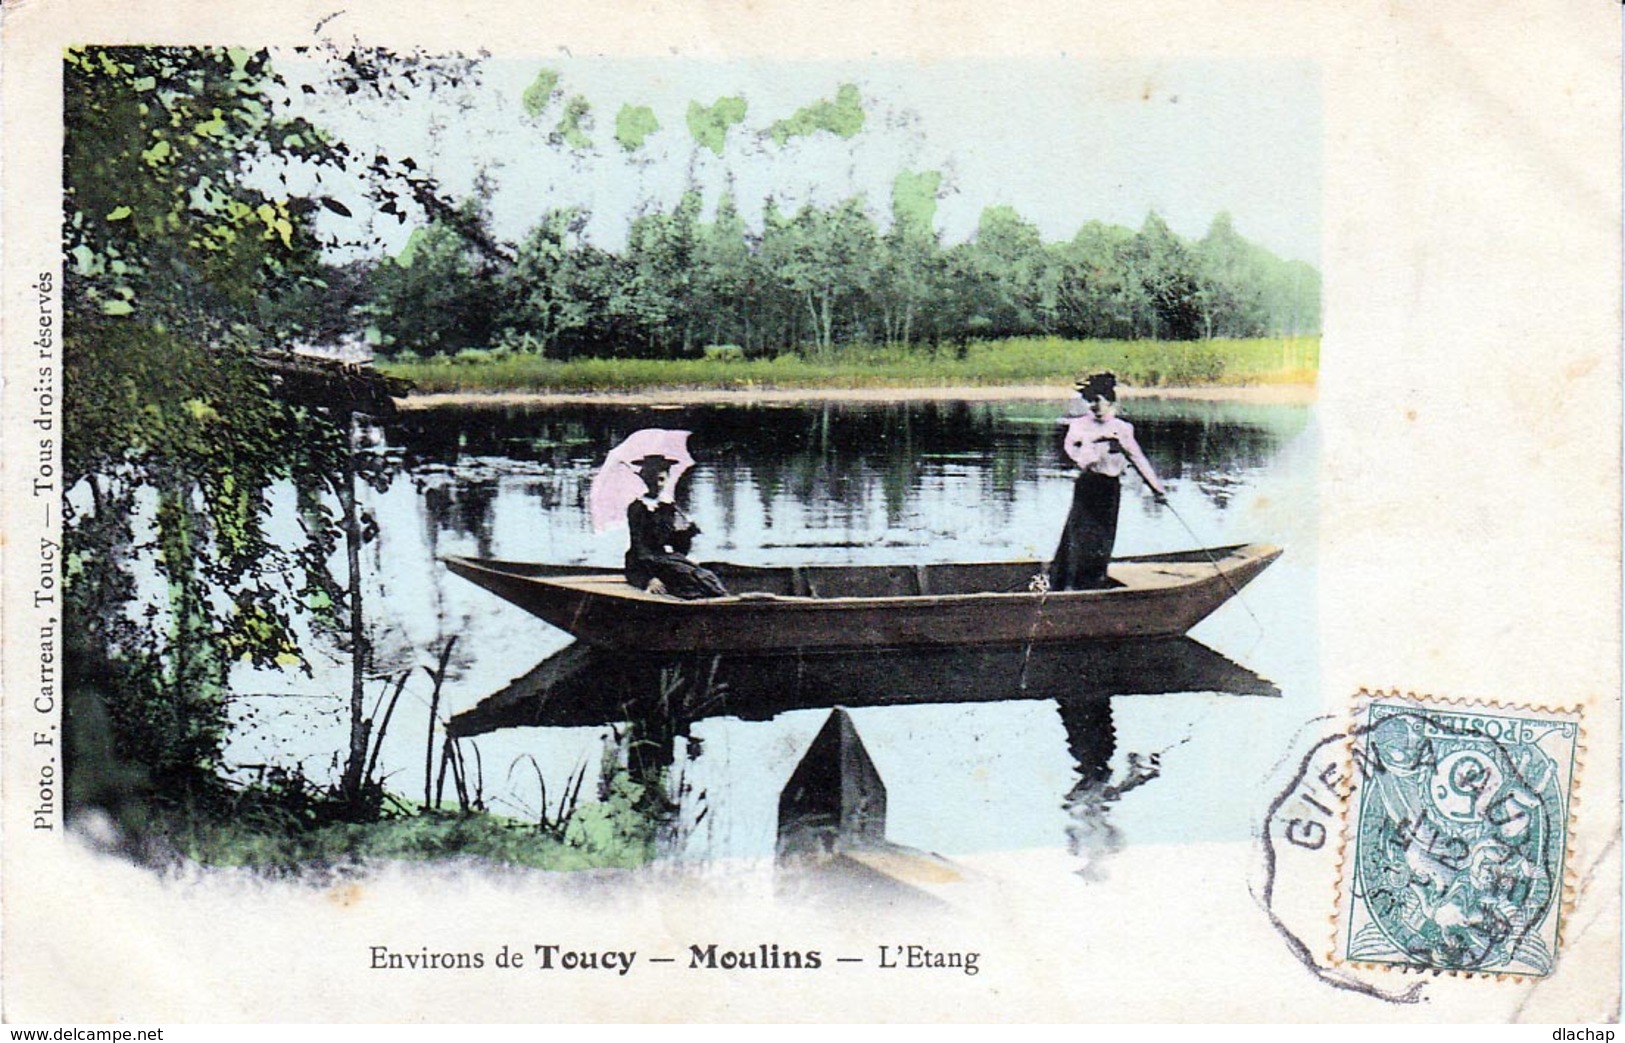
column 844, row 457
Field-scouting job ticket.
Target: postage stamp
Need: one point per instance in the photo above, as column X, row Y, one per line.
column 1457, row 835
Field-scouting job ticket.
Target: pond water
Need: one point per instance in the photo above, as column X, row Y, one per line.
column 1146, row 747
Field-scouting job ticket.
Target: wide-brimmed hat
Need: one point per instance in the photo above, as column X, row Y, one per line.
column 654, row 462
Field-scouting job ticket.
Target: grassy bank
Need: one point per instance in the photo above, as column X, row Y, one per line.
column 599, row 836
column 433, row 836
column 1216, row 363
column 292, row 827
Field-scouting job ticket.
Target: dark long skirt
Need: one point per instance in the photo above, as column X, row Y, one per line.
column 681, row 577
column 1091, row 530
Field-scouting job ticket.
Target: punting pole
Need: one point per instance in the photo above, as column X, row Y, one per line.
column 1234, row 590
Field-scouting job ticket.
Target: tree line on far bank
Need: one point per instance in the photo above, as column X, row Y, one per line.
column 808, row 282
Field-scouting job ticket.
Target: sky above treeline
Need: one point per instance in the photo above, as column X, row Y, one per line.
column 1061, row 141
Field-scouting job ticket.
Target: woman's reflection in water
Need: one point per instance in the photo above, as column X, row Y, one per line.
column 1092, row 739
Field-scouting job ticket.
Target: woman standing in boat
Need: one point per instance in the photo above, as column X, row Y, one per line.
column 657, row 560
column 1102, row 445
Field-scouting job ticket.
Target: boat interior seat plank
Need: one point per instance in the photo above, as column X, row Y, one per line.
column 836, row 581
column 879, row 581
column 1002, row 577
column 1148, row 576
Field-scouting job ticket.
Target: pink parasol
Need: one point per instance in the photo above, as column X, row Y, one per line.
column 618, row 483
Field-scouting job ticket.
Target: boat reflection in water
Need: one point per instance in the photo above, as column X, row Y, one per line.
column 583, row 686
column 658, row 698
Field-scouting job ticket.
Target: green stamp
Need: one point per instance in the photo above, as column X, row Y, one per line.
column 1460, row 830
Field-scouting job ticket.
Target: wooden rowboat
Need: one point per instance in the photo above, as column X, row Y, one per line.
column 876, row 606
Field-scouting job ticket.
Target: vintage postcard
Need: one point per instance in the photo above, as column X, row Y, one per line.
column 785, row 512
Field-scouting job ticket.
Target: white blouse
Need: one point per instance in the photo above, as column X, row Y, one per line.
column 1087, row 446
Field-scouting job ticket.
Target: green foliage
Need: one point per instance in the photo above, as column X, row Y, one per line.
column 708, row 125
column 435, row 296
column 842, row 117
column 728, row 276
column 652, row 302
column 284, row 824
column 633, row 125
column 574, row 124
column 553, row 286
column 173, row 432
column 1233, row 280
column 1003, row 270
column 153, row 203
column 1158, row 263
column 619, row 829
column 820, row 258
column 540, row 92
column 914, row 202
column 824, row 277
column 911, row 284
column 1088, row 289
column 265, row 835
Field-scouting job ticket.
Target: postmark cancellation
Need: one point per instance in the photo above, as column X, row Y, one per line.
column 1457, row 835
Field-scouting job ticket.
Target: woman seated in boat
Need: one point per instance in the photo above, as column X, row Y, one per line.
column 1102, row 444
column 657, row 560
